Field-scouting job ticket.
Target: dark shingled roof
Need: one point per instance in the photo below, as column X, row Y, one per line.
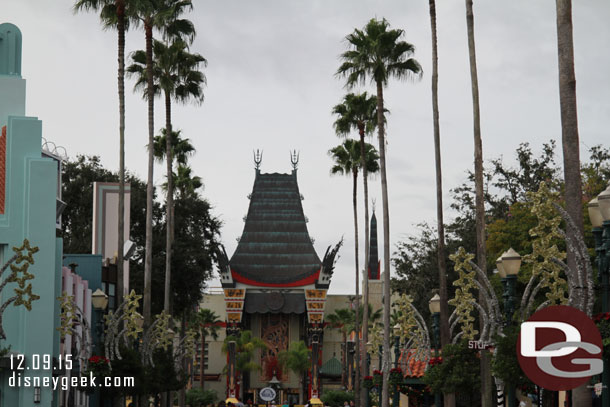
column 332, row 367
column 275, row 246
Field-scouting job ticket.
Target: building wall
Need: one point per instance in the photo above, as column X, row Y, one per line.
column 105, row 234
column 216, row 359
column 30, row 203
column 214, row 300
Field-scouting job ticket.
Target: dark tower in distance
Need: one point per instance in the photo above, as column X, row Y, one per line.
column 374, row 264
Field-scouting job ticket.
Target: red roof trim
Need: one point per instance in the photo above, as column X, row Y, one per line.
column 305, row 281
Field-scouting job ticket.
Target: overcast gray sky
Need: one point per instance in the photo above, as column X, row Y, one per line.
column 271, row 86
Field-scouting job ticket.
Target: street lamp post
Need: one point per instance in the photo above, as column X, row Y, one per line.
column 604, row 210
column 99, row 300
column 435, row 309
column 502, row 274
column 396, row 397
column 599, row 213
column 511, row 262
column 367, row 393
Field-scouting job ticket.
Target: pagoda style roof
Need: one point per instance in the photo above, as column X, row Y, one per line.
column 331, row 368
column 275, row 248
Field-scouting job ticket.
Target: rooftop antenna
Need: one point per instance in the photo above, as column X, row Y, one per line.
column 294, row 159
column 374, row 201
column 258, row 158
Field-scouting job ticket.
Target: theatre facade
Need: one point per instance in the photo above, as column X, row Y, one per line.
column 276, row 286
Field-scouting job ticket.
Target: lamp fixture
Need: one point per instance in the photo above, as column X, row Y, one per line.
column 99, row 299
column 511, row 262
column 595, row 215
column 603, row 200
column 435, row 304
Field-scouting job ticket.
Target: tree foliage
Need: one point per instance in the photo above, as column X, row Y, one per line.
column 337, row 398
column 245, row 347
column 196, row 242
column 296, row 358
column 458, row 372
column 197, row 397
column 509, row 220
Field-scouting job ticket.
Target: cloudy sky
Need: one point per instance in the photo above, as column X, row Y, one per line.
column 271, row 86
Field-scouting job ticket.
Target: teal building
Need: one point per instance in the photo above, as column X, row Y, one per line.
column 29, row 209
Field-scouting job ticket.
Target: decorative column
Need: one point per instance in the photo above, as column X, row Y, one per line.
column 315, row 300
column 232, row 372
column 234, row 303
column 315, row 368
column 314, row 335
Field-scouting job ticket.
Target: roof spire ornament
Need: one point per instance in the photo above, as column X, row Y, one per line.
column 258, row 159
column 374, row 202
column 294, row 159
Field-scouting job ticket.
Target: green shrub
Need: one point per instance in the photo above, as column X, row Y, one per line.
column 197, row 397
column 336, row 398
column 458, row 373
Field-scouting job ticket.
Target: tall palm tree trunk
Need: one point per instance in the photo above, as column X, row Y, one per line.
column 442, row 266
column 365, row 288
column 581, row 396
column 569, row 129
column 385, row 400
column 486, row 385
column 169, row 202
column 150, row 181
column 120, row 6
column 357, row 356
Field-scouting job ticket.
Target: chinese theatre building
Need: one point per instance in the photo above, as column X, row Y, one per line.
column 275, row 285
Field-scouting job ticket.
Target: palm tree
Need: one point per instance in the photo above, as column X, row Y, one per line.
column 341, row 320
column 162, row 15
column 186, row 183
column 440, row 249
column 298, row 359
column 182, row 149
column 347, row 160
column 208, row 323
column 116, row 14
column 374, row 316
column 581, row 396
column 478, row 187
column 176, row 74
column 442, row 267
column 245, row 348
column 377, row 54
column 359, row 112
